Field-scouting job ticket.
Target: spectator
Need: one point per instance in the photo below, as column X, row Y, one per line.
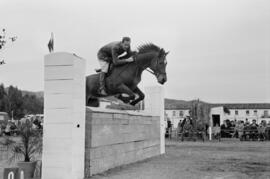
column 187, row 128
column 236, row 129
column 7, row 129
column 267, row 131
column 178, row 131
column 226, row 129
column 169, row 123
column 169, row 128
column 232, row 123
column 179, row 123
column 0, row 129
column 261, row 131
column 241, row 130
column 216, row 131
column 223, row 129
column 253, row 127
column 247, row 122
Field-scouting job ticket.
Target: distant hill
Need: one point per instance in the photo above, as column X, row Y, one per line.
column 179, row 104
column 169, row 103
column 174, row 104
column 38, row 94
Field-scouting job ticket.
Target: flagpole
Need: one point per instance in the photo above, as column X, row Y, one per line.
column 51, row 43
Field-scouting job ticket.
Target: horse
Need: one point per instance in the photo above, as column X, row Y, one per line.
column 124, row 79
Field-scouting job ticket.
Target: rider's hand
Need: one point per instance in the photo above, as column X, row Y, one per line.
column 130, row 59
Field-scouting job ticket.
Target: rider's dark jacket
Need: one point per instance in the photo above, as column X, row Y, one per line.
column 110, row 53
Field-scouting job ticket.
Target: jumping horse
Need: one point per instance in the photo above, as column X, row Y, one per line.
column 124, row 79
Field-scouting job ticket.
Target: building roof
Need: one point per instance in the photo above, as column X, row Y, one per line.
column 171, row 104
column 245, row 105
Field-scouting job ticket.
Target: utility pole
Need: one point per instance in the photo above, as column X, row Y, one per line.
column 12, row 116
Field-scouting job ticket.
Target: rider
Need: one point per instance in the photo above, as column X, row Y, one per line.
column 110, row 53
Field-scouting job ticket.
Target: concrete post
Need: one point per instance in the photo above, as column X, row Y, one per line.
column 154, row 104
column 64, row 116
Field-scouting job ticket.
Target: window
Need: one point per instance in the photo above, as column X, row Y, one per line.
column 236, row 112
column 173, row 113
column 255, row 112
column 247, row 112
column 181, row 113
column 265, row 113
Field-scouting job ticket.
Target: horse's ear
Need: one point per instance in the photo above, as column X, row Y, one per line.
column 166, row 53
column 161, row 52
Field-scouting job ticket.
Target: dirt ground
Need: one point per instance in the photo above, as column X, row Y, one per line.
column 194, row 160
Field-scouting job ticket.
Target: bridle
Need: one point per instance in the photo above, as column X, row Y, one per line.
column 155, row 73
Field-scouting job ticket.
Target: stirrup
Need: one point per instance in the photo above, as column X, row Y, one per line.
column 98, row 70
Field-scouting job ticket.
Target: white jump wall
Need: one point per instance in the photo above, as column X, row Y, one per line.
column 64, row 116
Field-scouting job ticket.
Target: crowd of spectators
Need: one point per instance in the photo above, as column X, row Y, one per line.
column 244, row 130
column 10, row 128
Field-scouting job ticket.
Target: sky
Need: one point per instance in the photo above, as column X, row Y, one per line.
column 219, row 50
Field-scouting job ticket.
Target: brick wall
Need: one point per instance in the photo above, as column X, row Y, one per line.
column 114, row 138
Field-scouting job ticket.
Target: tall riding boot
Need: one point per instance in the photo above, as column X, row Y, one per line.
column 102, row 84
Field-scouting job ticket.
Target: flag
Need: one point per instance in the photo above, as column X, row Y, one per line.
column 2, row 62
column 51, row 43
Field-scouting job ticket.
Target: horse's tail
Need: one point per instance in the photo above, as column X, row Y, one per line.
column 92, row 102
column 91, row 87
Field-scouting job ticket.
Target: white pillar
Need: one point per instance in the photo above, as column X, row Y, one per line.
column 210, row 132
column 64, row 116
column 154, row 104
column 210, row 126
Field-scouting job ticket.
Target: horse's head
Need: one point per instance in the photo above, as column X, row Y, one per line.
column 155, row 58
column 158, row 66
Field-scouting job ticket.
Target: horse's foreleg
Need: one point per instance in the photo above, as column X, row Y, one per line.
column 122, row 98
column 124, row 89
column 141, row 96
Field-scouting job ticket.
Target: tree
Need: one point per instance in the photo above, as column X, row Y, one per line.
column 3, row 99
column 15, row 102
column 200, row 113
column 32, row 104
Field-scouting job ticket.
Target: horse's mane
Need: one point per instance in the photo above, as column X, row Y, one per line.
column 150, row 47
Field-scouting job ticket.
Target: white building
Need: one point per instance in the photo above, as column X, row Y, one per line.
column 241, row 112
column 176, row 114
column 247, row 111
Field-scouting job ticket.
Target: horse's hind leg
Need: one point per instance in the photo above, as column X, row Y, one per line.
column 141, row 96
column 124, row 89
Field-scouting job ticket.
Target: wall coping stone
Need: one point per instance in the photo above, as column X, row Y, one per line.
column 113, row 111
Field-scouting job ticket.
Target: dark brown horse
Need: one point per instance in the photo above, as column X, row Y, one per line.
column 124, row 79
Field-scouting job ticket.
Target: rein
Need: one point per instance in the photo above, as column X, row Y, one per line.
column 150, row 71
